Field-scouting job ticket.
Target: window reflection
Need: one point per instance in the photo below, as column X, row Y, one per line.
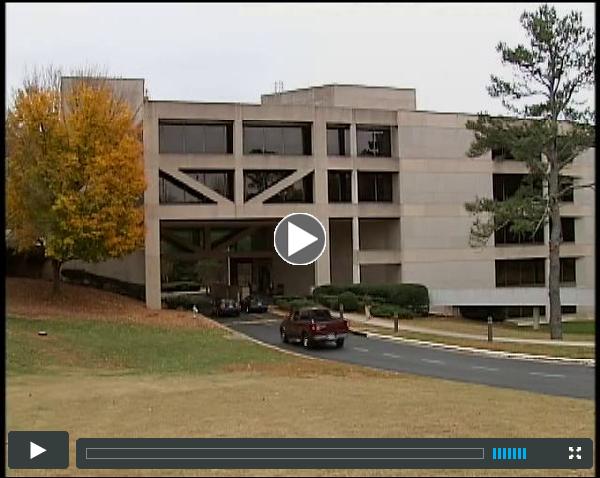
column 178, row 137
column 277, row 139
column 375, row 187
column 373, row 141
column 339, row 186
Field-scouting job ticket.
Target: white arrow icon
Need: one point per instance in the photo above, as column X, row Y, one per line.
column 35, row 450
column 298, row 239
column 575, row 452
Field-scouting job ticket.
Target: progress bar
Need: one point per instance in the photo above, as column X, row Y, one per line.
column 332, row 453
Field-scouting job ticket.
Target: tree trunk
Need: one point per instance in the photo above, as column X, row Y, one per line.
column 56, row 276
column 554, row 256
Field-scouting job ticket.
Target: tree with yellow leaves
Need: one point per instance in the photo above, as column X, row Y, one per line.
column 75, row 178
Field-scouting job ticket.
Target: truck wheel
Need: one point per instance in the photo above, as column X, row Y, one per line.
column 339, row 343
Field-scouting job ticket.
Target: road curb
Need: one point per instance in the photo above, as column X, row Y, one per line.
column 473, row 350
column 497, row 353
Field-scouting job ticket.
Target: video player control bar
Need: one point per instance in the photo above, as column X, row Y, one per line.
column 332, row 453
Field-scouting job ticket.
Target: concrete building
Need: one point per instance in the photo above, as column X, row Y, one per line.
column 387, row 181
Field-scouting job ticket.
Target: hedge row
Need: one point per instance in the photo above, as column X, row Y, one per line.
column 350, row 301
column 390, row 310
column 293, row 302
column 188, row 301
column 413, row 297
column 180, row 286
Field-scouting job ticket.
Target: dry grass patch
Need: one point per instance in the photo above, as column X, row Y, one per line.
column 501, row 329
column 533, row 349
column 265, row 404
column 33, row 298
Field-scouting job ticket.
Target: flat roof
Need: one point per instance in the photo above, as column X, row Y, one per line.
column 343, row 85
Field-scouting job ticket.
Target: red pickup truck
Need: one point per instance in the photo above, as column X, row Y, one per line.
column 312, row 325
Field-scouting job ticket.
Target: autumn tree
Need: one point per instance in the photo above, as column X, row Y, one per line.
column 548, row 127
column 75, row 175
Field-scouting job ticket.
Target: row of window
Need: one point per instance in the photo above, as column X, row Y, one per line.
column 506, row 236
column 531, row 272
column 178, row 137
column 372, row 186
column 506, row 185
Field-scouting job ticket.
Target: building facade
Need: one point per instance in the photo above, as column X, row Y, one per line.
column 388, row 182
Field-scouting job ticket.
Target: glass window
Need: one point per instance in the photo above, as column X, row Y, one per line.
column 293, row 142
column 253, row 140
column 520, row 273
column 375, row 187
column 384, row 187
column 179, row 237
column 566, row 182
column 506, row 185
column 172, row 191
column 273, row 140
column 339, row 186
column 219, row 181
column 373, row 141
column 500, row 153
column 338, row 141
column 170, row 138
column 215, row 139
column 277, row 139
column 505, row 236
column 256, row 181
column 195, row 138
column 567, row 226
column 299, row 192
column 366, row 187
column 567, row 271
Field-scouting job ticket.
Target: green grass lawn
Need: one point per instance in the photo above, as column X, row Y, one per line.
column 124, row 348
column 583, row 327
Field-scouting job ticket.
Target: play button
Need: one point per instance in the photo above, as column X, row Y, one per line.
column 299, row 239
column 35, row 450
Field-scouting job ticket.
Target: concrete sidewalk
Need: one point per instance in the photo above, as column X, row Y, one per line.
column 402, row 325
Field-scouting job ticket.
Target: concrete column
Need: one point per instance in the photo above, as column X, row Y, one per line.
column 319, row 151
column 354, row 186
column 151, row 209
column 238, row 152
column 322, row 265
column 536, row 318
column 152, row 258
column 321, row 196
column 355, row 224
column 355, row 250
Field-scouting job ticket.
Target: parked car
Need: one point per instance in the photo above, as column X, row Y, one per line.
column 254, row 303
column 226, row 308
column 312, row 325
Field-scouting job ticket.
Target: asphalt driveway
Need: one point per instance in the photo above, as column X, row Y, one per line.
column 568, row 380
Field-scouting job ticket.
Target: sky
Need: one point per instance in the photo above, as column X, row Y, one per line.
column 236, row 52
